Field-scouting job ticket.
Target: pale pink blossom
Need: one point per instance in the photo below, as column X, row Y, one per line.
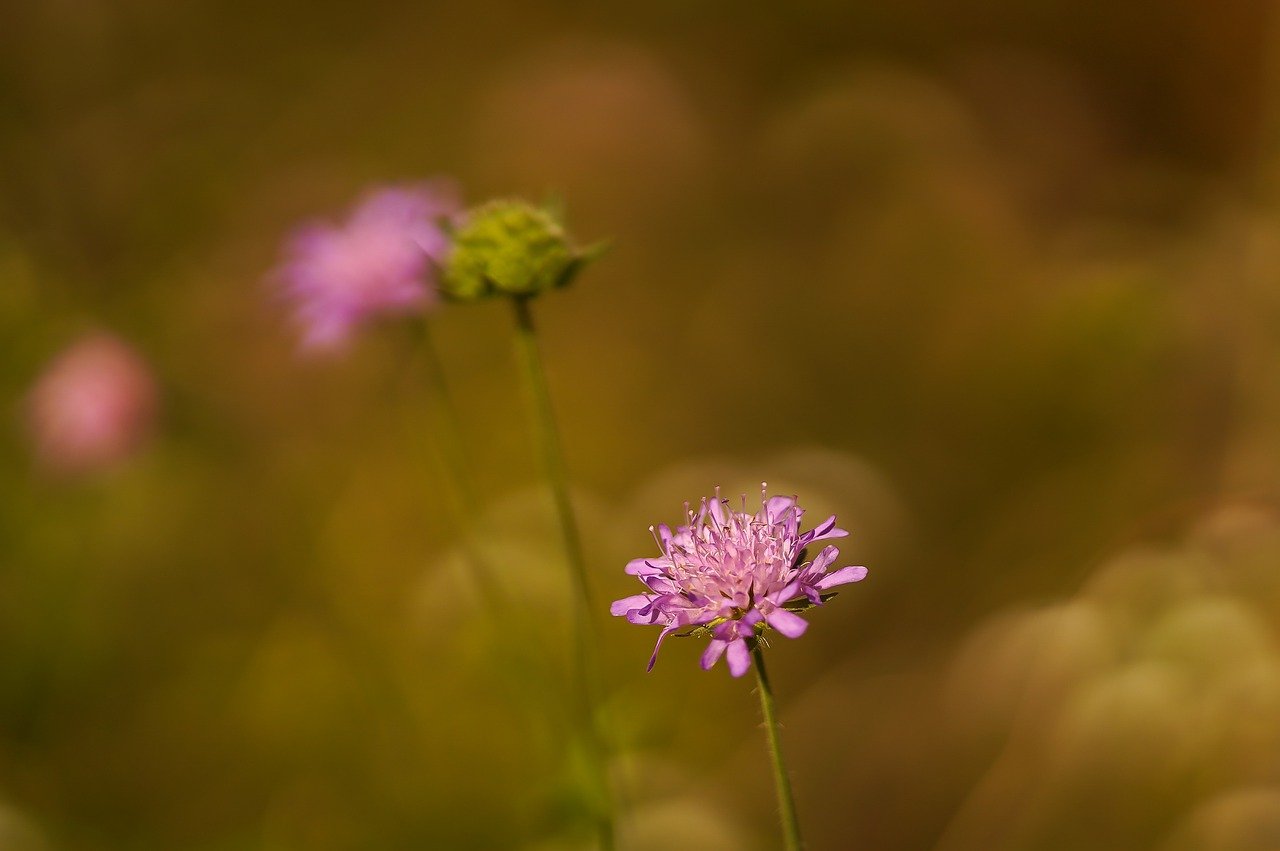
column 93, row 405
column 382, row 261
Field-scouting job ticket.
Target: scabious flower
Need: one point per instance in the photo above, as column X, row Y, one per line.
column 381, row 262
column 92, row 406
column 732, row 575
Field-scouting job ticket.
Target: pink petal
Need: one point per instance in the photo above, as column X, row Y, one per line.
column 713, row 653
column 739, row 658
column 843, row 576
column 788, row 623
column 658, row 646
column 776, row 506
column 640, row 567
column 824, row 530
column 824, row 558
column 717, row 512
column 628, row 604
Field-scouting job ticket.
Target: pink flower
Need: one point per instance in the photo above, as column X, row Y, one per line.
column 381, row 262
column 93, row 405
column 732, row 575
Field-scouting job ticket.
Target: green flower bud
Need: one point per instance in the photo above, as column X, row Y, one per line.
column 509, row 248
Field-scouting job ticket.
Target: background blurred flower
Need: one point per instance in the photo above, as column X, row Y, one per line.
column 93, row 405
column 381, row 262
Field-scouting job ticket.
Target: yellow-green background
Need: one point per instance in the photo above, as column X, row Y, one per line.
column 996, row 281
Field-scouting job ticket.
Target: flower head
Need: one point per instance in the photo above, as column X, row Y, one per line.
column 382, row 261
column 92, row 406
column 510, row 247
column 732, row 575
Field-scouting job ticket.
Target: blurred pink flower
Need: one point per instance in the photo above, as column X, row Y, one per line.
column 381, row 262
column 734, row 574
column 93, row 405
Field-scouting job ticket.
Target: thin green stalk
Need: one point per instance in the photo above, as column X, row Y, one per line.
column 549, row 447
column 448, row 445
column 450, row 430
column 548, row 437
column 781, row 782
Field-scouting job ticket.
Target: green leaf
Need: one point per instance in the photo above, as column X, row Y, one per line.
column 801, row 603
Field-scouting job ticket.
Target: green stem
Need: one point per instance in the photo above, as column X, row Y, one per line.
column 781, row 782
column 464, row 504
column 549, row 448
column 450, row 431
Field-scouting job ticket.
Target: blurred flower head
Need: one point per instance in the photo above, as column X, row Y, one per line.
column 381, row 262
column 732, row 574
column 93, row 405
column 513, row 248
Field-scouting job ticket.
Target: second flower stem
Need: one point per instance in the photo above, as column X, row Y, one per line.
column 782, row 782
column 453, row 463
column 549, row 447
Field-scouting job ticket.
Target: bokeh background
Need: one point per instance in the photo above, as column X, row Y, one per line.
column 995, row 281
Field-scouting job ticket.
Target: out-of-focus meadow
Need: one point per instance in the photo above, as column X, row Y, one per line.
column 996, row 282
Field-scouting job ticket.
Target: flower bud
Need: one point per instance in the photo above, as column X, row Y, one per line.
column 512, row 248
